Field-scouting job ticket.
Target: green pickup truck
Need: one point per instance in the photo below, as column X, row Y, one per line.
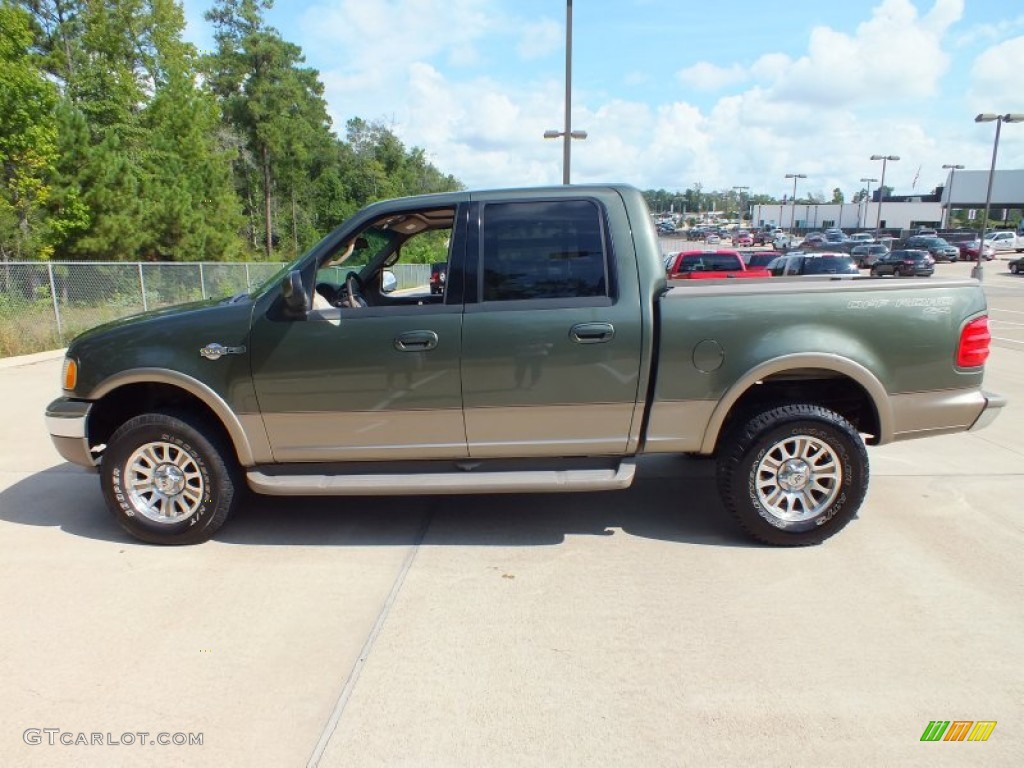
column 555, row 355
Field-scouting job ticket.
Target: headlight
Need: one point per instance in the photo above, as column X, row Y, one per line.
column 69, row 375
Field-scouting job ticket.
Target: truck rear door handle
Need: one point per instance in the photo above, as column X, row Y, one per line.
column 592, row 333
column 415, row 341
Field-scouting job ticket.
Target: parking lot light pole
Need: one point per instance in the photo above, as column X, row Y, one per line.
column 987, row 117
column 743, row 206
column 881, row 188
column 792, row 218
column 567, row 134
column 949, row 195
column 867, row 201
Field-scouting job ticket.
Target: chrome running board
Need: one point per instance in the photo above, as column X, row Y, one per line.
column 414, row 484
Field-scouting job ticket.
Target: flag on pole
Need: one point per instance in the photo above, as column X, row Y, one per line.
column 916, row 177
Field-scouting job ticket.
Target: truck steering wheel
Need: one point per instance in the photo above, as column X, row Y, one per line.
column 354, row 289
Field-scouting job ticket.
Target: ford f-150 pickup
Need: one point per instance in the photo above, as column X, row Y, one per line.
column 555, row 355
column 710, row 265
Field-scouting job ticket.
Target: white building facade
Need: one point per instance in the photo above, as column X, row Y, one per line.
column 865, row 215
column 965, row 191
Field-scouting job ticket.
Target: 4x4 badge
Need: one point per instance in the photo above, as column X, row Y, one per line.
column 217, row 351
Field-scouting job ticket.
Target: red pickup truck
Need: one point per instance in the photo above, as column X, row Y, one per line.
column 707, row 265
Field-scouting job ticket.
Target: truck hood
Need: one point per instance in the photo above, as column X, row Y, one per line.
column 165, row 339
column 189, row 308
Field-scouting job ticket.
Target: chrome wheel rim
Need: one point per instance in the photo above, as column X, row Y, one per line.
column 163, row 483
column 798, row 478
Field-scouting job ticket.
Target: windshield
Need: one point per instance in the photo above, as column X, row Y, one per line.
column 829, row 265
column 277, row 276
column 710, row 262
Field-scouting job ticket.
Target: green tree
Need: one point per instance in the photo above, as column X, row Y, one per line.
column 141, row 173
column 378, row 166
column 28, row 141
column 119, row 142
column 274, row 103
column 837, row 196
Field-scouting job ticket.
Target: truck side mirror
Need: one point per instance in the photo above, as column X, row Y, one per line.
column 294, row 293
column 388, row 281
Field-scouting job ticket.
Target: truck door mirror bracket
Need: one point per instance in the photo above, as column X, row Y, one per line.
column 294, row 293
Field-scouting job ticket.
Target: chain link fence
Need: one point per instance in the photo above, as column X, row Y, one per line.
column 43, row 305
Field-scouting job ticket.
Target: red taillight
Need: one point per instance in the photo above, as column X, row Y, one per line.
column 974, row 342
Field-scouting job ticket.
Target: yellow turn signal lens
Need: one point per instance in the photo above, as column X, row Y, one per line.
column 70, row 373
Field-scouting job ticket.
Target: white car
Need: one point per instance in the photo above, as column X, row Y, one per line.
column 862, row 238
column 781, row 241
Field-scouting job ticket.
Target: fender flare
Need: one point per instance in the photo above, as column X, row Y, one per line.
column 842, row 365
column 228, row 418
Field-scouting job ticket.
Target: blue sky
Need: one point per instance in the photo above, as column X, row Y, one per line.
column 674, row 93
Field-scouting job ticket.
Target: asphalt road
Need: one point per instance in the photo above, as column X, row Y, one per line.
column 635, row 628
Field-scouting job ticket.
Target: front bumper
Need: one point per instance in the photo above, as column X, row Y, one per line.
column 66, row 421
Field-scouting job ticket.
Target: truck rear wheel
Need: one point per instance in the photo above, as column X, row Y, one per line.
column 166, row 481
column 793, row 475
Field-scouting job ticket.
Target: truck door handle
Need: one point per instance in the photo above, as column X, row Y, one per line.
column 592, row 333
column 415, row 341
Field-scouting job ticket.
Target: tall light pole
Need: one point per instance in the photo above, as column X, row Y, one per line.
column 949, row 194
column 867, row 201
column 567, row 134
column 743, row 206
column 881, row 188
column 792, row 218
column 987, row 117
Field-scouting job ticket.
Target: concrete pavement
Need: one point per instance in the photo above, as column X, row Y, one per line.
column 629, row 628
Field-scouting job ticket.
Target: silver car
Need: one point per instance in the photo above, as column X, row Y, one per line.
column 939, row 249
column 866, row 255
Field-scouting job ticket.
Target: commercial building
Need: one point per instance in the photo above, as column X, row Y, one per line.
column 965, row 191
column 896, row 213
column 963, row 196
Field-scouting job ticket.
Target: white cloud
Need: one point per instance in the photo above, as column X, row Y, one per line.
column 996, row 78
column 709, row 77
column 989, row 33
column 541, row 38
column 821, row 111
column 385, row 37
column 893, row 55
column 771, row 66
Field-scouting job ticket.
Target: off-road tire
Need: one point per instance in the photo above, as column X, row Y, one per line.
column 195, row 470
column 772, row 506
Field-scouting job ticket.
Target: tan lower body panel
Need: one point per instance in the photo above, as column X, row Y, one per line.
column 367, row 435
column 678, row 426
column 589, row 429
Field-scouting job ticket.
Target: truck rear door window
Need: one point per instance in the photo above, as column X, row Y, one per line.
column 543, row 250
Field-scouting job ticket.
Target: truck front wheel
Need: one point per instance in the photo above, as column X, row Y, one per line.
column 793, row 475
column 167, row 481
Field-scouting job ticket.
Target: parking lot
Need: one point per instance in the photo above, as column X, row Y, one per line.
column 634, row 628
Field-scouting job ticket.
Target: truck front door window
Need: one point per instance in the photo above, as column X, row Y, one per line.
column 389, row 263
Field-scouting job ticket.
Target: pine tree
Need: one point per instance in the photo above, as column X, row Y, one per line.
column 28, row 141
